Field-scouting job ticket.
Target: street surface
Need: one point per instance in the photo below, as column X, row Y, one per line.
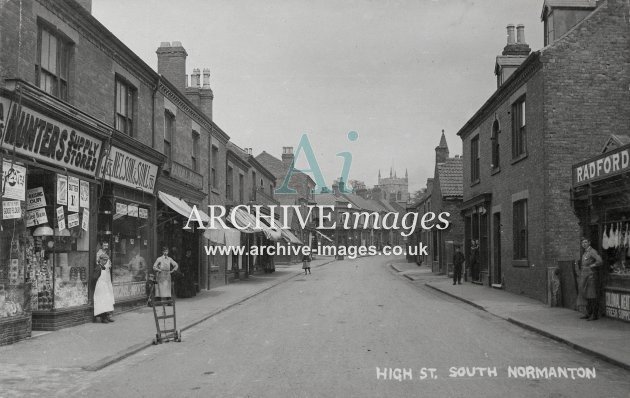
column 351, row 329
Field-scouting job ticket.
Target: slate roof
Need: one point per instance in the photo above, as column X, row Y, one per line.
column 451, row 175
column 271, row 163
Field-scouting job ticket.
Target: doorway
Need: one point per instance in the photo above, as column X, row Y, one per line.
column 496, row 238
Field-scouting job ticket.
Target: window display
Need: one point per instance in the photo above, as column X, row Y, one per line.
column 57, row 259
column 124, row 227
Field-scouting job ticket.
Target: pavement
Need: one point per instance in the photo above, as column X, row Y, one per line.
column 93, row 346
column 605, row 338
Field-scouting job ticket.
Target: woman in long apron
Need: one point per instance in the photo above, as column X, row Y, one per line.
column 104, row 291
column 163, row 270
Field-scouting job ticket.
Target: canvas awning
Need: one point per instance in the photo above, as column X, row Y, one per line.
column 246, row 222
column 323, row 236
column 175, row 204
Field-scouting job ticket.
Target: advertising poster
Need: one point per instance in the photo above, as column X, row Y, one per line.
column 62, row 189
column 36, row 217
column 61, row 218
column 132, row 210
column 11, row 209
column 73, row 220
column 121, row 209
column 35, row 198
column 73, row 194
column 84, row 194
column 13, row 181
column 85, row 219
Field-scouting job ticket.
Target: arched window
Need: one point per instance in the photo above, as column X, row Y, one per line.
column 494, row 139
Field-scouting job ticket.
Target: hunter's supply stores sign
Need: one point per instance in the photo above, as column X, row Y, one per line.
column 35, row 135
column 126, row 169
column 605, row 165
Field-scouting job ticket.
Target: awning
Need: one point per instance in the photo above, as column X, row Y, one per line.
column 205, row 219
column 244, row 219
column 216, row 236
column 272, row 232
column 178, row 205
column 290, row 237
column 323, row 236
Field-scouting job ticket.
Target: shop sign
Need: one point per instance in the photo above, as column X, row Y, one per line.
column 11, row 209
column 187, row 175
column 143, row 213
column 73, row 220
column 32, row 134
column 605, row 165
column 84, row 194
column 36, row 217
column 126, row 169
column 13, row 180
column 73, row 194
column 618, row 305
column 35, row 198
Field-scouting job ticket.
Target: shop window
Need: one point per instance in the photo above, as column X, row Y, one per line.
column 474, row 159
column 56, row 248
column 496, row 160
column 229, row 190
column 253, row 197
column 520, row 231
column 215, row 164
column 53, row 61
column 195, row 151
column 125, row 105
column 519, row 132
column 169, row 129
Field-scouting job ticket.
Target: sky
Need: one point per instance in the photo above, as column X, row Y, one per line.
column 397, row 72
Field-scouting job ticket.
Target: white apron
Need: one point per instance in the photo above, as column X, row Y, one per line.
column 162, row 267
column 104, row 292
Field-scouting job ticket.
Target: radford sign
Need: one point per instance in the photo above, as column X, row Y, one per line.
column 605, row 165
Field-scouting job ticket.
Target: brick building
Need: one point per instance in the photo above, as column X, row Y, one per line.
column 550, row 109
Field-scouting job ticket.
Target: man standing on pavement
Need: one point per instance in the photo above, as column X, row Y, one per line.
column 458, row 263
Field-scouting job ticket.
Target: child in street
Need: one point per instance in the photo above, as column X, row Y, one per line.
column 306, row 264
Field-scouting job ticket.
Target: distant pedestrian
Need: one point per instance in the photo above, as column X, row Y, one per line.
column 162, row 267
column 306, row 263
column 104, row 291
column 458, row 263
column 588, row 300
column 474, row 260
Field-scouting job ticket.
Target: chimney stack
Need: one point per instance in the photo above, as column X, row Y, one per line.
column 195, row 78
column 206, row 78
column 172, row 63
column 514, row 53
column 287, row 156
column 205, row 94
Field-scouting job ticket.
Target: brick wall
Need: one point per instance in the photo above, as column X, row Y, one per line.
column 14, row 329
column 588, row 98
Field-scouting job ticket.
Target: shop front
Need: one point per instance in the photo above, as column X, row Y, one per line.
column 601, row 200
column 126, row 216
column 476, row 243
column 49, row 157
column 174, row 207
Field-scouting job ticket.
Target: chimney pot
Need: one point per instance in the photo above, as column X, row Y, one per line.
column 176, row 44
column 510, row 34
column 165, row 44
column 520, row 34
